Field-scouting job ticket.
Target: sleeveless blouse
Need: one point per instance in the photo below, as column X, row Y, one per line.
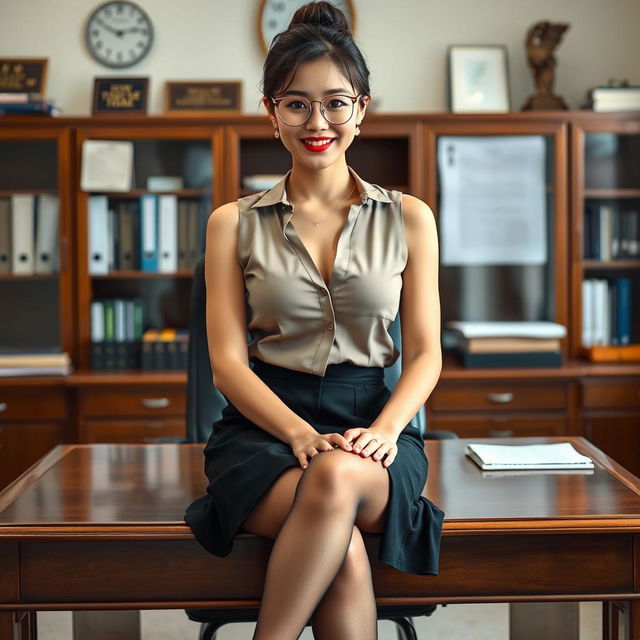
column 298, row 321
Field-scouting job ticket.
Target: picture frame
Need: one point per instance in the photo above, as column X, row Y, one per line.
column 24, row 75
column 202, row 97
column 478, row 79
column 120, row 96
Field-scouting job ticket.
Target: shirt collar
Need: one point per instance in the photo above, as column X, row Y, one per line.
column 278, row 192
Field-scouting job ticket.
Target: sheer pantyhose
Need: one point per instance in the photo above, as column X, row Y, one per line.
column 318, row 569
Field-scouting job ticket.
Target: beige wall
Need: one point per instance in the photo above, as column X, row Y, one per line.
column 404, row 42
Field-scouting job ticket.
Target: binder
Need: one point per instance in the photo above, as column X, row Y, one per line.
column 167, row 233
column 127, row 237
column 149, row 233
column 22, row 223
column 183, row 234
column 46, row 252
column 98, row 235
column 5, row 235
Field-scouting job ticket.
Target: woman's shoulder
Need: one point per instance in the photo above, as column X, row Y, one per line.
column 415, row 212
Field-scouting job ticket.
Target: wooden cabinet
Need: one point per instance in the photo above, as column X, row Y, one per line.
column 213, row 155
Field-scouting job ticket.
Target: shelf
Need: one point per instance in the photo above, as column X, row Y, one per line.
column 124, row 275
column 17, row 277
column 136, row 193
column 612, row 193
column 610, row 264
column 7, row 193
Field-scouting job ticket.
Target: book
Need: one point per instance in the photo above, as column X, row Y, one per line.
column 495, row 457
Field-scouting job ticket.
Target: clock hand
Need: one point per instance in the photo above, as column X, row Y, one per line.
column 118, row 32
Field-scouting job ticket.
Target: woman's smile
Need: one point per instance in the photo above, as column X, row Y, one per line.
column 317, row 144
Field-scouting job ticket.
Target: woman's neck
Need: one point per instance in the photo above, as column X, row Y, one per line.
column 319, row 186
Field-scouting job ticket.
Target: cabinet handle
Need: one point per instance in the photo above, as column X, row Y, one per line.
column 155, row 403
column 500, row 398
column 3, row 406
column 500, row 433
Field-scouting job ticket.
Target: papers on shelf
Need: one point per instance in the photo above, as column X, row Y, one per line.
column 107, row 165
column 495, row 457
column 524, row 329
column 493, row 199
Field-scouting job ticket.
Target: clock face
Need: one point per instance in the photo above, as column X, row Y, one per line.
column 119, row 34
column 275, row 16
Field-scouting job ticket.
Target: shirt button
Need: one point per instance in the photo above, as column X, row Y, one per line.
column 330, row 325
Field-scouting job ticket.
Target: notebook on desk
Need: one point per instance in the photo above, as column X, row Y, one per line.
column 496, row 457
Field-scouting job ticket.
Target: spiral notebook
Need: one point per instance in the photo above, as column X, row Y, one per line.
column 497, row 457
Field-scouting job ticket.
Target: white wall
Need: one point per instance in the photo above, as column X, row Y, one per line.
column 404, row 42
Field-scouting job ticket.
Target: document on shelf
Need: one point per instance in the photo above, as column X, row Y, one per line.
column 107, row 165
column 495, row 457
column 492, row 200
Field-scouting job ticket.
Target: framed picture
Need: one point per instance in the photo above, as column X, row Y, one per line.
column 118, row 96
column 202, row 97
column 478, row 79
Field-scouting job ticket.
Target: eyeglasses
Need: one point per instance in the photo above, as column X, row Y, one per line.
column 295, row 111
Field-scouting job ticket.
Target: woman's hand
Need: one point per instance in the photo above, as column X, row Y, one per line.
column 372, row 442
column 308, row 445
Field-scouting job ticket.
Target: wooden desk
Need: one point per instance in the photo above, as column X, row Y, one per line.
column 96, row 527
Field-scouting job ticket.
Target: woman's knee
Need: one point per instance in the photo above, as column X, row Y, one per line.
column 328, row 480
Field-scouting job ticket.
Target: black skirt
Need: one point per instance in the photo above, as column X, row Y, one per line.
column 242, row 461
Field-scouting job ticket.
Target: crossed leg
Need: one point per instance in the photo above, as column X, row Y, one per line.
column 319, row 564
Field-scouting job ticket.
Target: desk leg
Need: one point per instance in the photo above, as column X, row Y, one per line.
column 20, row 625
column 548, row 620
column 106, row 625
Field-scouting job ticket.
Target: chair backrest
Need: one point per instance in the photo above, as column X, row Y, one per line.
column 205, row 402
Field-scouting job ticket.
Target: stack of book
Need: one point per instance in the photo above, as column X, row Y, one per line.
column 35, row 364
column 624, row 98
column 165, row 349
column 508, row 344
column 27, row 103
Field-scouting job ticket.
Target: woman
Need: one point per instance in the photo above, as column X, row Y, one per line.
column 313, row 449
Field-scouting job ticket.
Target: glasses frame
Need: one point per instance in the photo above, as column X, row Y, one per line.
column 353, row 99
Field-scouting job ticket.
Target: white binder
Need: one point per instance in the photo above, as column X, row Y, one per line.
column 168, row 233
column 22, row 215
column 98, row 235
column 5, row 235
column 46, row 258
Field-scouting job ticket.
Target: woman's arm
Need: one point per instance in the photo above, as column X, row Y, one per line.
column 227, row 334
column 419, row 321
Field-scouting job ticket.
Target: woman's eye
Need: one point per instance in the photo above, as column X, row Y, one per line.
column 302, row 105
column 336, row 103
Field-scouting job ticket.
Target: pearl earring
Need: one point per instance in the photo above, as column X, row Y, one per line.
column 276, row 133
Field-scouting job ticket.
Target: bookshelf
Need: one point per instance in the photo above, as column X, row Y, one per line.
column 596, row 399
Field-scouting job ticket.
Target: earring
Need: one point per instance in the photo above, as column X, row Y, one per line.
column 276, row 133
column 357, row 130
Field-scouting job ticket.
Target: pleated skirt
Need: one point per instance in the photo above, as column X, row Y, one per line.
column 242, row 461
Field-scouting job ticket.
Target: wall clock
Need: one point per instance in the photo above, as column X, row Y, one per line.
column 119, row 34
column 274, row 16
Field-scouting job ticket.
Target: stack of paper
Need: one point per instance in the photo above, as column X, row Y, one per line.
column 561, row 455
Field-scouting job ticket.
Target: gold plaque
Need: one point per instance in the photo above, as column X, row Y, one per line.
column 202, row 97
column 120, row 96
column 23, row 75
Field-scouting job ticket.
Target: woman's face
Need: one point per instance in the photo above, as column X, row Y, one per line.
column 314, row 80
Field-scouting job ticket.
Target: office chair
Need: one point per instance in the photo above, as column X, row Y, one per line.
column 204, row 406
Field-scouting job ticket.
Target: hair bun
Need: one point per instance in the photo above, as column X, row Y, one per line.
column 323, row 14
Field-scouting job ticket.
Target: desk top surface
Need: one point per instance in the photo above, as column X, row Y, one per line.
column 112, row 490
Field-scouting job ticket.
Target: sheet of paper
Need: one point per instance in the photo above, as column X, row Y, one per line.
column 492, row 203
column 107, row 165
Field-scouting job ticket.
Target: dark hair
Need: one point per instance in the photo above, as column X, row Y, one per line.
column 317, row 30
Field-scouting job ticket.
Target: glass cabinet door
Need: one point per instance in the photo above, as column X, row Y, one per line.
column 501, row 227
column 609, row 245
column 139, row 248
column 35, row 283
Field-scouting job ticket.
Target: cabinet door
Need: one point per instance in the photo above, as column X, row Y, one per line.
column 21, row 445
